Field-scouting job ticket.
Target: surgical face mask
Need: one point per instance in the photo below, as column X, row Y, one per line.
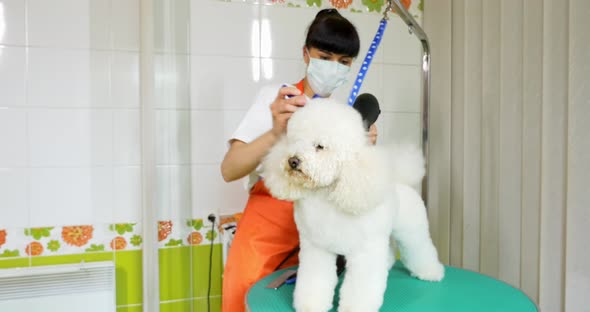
column 325, row 76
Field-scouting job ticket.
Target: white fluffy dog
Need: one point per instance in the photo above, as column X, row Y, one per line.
column 351, row 198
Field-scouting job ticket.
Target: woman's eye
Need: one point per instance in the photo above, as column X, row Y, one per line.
column 319, row 147
column 325, row 58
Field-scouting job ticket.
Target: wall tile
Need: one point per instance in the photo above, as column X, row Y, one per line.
column 175, row 268
column 201, row 267
column 60, row 196
column 201, row 304
column 398, row 45
column 99, row 79
column 174, row 232
column 172, row 25
column 207, row 135
column 13, row 138
column 399, row 128
column 173, row 195
column 12, row 30
column 173, row 129
column 127, row 194
column 13, row 247
column 13, row 198
column 213, row 195
column 125, row 24
column 125, row 236
column 66, row 240
column 100, row 24
column 283, row 31
column 162, row 135
column 127, row 137
column 12, row 76
column 367, row 26
column 130, row 308
column 172, row 80
column 7, row 263
column 284, row 71
column 402, row 89
column 59, row 23
column 219, row 82
column 125, row 79
column 102, row 181
column 101, row 129
column 181, row 126
column 240, row 37
column 72, row 259
column 58, row 78
column 70, row 137
column 129, row 277
column 176, row 306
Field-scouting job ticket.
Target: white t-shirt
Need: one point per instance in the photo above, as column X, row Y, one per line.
column 258, row 120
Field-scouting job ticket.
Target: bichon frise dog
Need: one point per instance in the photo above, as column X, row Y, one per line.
column 351, row 198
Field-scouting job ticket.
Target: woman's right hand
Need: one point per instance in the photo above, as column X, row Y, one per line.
column 288, row 100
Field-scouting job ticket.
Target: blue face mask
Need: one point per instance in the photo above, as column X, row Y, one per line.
column 325, row 76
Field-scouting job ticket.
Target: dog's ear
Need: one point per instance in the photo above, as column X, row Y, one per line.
column 362, row 182
column 274, row 173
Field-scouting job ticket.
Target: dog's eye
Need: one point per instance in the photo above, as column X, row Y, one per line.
column 319, row 147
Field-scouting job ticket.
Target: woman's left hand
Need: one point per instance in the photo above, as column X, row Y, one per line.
column 373, row 134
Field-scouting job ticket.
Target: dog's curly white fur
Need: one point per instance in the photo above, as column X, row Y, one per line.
column 351, row 198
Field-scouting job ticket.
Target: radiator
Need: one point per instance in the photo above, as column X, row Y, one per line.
column 87, row 287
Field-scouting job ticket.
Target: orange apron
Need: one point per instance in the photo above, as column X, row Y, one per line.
column 266, row 239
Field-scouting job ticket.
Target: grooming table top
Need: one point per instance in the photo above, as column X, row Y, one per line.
column 459, row 291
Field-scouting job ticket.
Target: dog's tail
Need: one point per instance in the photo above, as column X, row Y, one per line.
column 407, row 164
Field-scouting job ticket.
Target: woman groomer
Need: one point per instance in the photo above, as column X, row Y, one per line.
column 267, row 238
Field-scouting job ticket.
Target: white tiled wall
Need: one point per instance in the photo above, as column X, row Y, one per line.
column 70, row 106
column 69, row 112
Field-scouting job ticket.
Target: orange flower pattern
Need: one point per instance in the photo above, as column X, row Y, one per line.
column 77, row 235
column 341, row 4
column 34, row 249
column 85, row 235
column 2, row 237
column 118, row 243
column 164, row 229
column 194, row 238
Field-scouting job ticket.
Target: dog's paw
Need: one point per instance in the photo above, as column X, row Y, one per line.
column 433, row 273
column 310, row 303
column 311, row 307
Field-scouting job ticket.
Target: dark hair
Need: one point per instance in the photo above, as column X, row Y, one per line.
column 332, row 32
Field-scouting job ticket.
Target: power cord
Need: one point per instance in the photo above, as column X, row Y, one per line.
column 211, row 219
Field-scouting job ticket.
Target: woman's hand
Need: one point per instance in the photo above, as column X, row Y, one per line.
column 373, row 134
column 282, row 108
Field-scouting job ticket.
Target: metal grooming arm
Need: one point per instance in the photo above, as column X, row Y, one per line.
column 415, row 29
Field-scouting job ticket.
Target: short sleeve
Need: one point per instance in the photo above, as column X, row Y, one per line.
column 258, row 119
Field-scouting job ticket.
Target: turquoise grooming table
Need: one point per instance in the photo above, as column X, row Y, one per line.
column 459, row 291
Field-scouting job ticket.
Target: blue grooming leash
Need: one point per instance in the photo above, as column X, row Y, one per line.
column 367, row 62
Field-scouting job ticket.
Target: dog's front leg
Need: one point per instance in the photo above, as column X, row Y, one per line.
column 316, row 279
column 366, row 278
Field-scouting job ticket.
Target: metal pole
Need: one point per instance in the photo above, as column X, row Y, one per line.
column 415, row 29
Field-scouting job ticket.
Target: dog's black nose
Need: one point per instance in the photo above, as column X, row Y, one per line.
column 294, row 162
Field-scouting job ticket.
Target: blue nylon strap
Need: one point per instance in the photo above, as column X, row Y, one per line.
column 367, row 62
